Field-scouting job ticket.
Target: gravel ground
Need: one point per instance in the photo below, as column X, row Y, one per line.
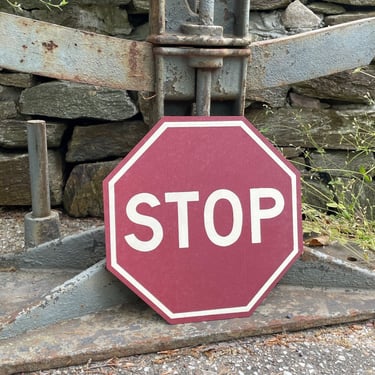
column 348, row 349
column 12, row 227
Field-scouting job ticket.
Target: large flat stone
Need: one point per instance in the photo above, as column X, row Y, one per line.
column 103, row 141
column 313, row 128
column 69, row 100
column 355, row 2
column 269, row 4
column 326, row 8
column 8, row 109
column 347, row 17
column 342, row 163
column 13, row 134
column 103, row 18
column 22, row 80
column 15, row 178
column 275, row 97
column 345, row 86
column 83, row 194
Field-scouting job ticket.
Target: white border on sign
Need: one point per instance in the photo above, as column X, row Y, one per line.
column 112, row 218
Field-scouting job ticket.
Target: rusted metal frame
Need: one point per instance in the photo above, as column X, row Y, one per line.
column 196, row 27
column 60, row 52
column 205, row 26
column 200, row 40
column 201, row 52
column 191, row 26
column 185, row 74
column 312, row 54
column 130, row 65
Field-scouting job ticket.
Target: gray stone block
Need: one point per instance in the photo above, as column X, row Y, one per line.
column 83, row 194
column 13, row 134
column 76, row 100
column 15, row 178
column 98, row 142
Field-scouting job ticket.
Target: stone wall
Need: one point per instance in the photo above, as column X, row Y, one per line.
column 90, row 128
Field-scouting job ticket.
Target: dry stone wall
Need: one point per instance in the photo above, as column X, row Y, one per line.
column 319, row 124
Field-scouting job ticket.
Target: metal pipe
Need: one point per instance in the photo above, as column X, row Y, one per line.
column 203, row 93
column 38, row 162
column 207, row 11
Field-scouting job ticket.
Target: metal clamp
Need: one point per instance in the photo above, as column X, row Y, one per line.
column 200, row 81
column 207, row 74
column 200, row 22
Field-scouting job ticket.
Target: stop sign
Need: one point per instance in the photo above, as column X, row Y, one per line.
column 202, row 218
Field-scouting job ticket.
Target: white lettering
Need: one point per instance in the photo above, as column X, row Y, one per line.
column 237, row 216
column 257, row 214
column 182, row 198
column 148, row 221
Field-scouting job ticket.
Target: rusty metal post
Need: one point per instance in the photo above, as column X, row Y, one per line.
column 206, row 11
column 38, row 163
column 203, row 93
column 42, row 224
column 204, row 76
column 200, row 63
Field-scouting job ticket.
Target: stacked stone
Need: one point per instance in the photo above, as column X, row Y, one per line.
column 326, row 126
column 91, row 128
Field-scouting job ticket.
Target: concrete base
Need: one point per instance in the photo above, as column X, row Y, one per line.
column 39, row 230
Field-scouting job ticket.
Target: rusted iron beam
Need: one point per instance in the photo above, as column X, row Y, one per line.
column 60, row 52
column 312, row 54
column 64, row 53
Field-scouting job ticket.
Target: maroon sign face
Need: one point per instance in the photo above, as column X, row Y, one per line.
column 202, row 218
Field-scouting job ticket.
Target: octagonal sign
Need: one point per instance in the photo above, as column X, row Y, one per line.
column 202, row 218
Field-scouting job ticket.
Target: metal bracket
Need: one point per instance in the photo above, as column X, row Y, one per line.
column 200, row 23
column 212, row 80
column 190, row 79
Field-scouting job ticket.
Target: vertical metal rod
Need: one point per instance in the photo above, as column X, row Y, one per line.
column 159, row 85
column 206, row 11
column 203, row 93
column 242, row 19
column 38, row 162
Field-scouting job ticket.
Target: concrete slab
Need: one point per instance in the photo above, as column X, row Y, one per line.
column 134, row 328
